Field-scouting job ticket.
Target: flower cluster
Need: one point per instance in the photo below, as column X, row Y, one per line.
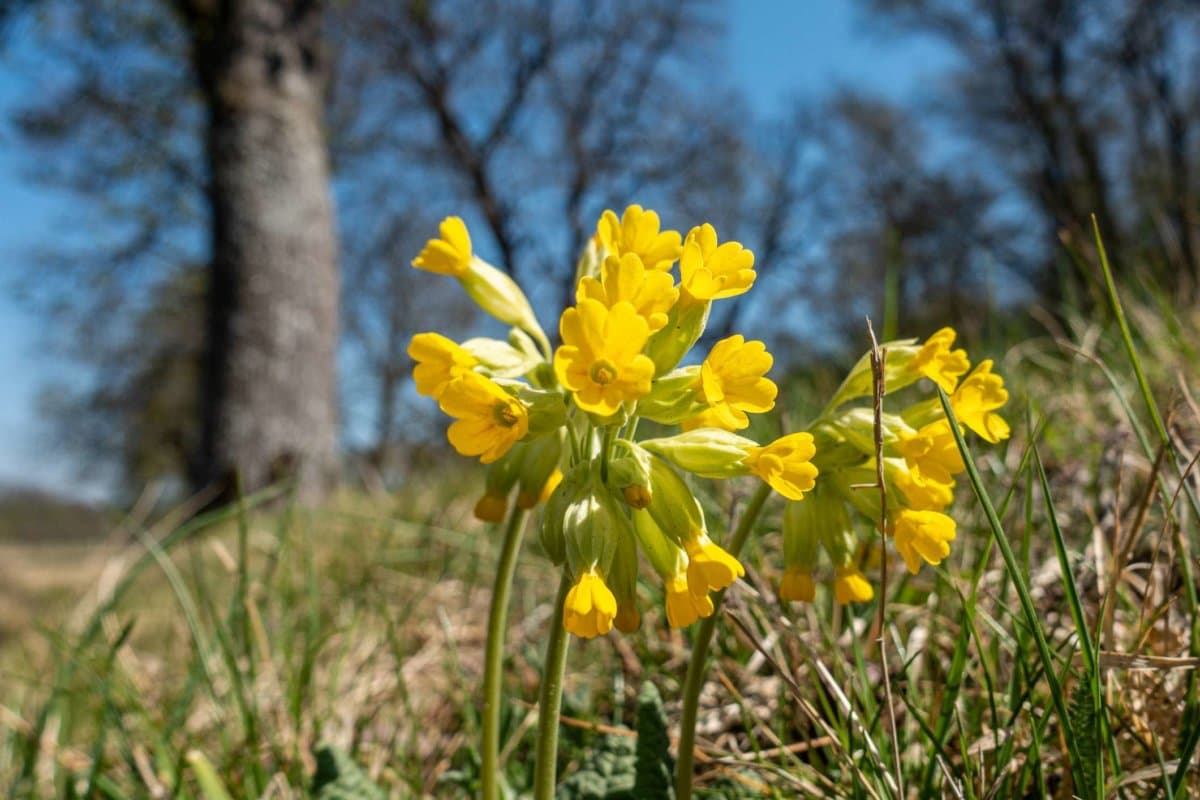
column 920, row 460
column 560, row 424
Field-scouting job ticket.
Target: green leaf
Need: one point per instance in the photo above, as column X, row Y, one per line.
column 339, row 778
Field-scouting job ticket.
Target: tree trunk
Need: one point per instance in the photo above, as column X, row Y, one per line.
column 269, row 394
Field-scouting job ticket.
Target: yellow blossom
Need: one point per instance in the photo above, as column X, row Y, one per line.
column 439, row 361
column 637, row 232
column 652, row 293
column 851, row 586
column 491, row 507
column 932, row 453
column 683, row 605
column 601, row 359
column 489, row 421
column 710, row 271
column 786, row 464
column 451, row 253
column 922, row 535
column 976, row 400
column 710, row 567
column 733, row 382
column 920, row 492
column 590, row 607
column 797, row 586
column 936, row 361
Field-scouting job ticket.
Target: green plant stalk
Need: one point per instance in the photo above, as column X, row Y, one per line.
column 545, row 768
column 493, row 662
column 696, row 669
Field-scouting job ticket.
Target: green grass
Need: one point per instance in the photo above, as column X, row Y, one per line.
column 218, row 658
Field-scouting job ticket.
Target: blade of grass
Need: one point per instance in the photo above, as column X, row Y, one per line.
column 1010, row 562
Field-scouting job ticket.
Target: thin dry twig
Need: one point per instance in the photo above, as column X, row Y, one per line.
column 878, row 357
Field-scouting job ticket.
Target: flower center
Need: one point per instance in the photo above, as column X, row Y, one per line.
column 603, row 372
column 504, row 414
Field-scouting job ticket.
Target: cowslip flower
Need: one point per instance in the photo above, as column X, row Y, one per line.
column 851, row 586
column 638, row 232
column 976, row 400
column 651, row 292
column 936, row 361
column 590, row 607
column 710, row 567
column 797, row 585
column 439, row 361
column 712, row 271
column 451, row 253
column 683, row 605
column 488, row 420
column 600, row 360
column 932, row 453
column 786, row 464
column 733, row 382
column 920, row 492
column 922, row 535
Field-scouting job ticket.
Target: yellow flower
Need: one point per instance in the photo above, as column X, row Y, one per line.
column 710, row 567
column 932, row 453
column 451, row 253
column 851, row 586
column 601, row 359
column 786, row 464
column 732, row 382
column 713, row 272
column 922, row 535
column 797, row 586
column 489, row 420
column 491, row 507
column 683, row 605
column 920, row 492
column 638, row 232
column 590, row 607
column 652, row 293
column 976, row 400
column 936, row 361
column 439, row 361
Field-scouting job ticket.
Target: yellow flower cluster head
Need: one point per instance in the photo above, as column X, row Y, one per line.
column 921, row 460
column 559, row 426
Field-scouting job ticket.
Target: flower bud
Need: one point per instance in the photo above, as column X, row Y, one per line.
column 673, row 398
column 553, row 538
column 707, row 452
column 629, row 473
column 501, row 359
column 547, row 409
column 499, row 480
column 860, row 381
column 797, row 586
column 499, row 295
column 684, row 327
column 591, row 528
column 540, row 460
column 673, row 506
column 622, row 578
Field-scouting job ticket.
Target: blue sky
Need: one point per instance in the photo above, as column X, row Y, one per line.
column 776, row 50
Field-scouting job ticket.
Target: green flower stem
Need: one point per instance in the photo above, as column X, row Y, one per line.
column 550, row 699
column 493, row 669
column 699, row 661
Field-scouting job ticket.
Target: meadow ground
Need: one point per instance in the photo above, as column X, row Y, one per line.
column 253, row 650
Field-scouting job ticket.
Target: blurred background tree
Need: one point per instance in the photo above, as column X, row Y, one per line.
column 528, row 118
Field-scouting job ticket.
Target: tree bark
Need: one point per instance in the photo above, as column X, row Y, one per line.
column 269, row 393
